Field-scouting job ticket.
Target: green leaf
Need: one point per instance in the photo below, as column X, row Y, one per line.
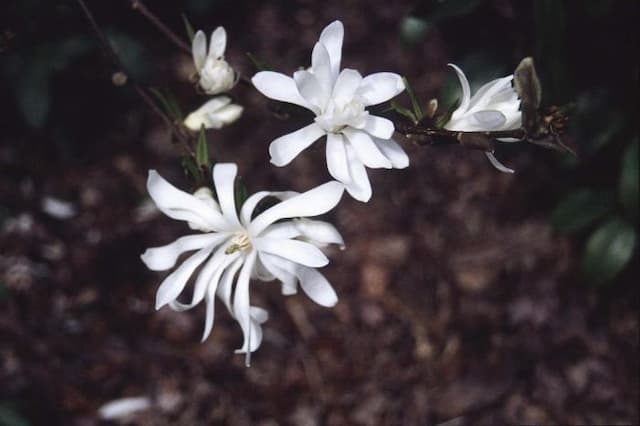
column 202, row 150
column 580, row 209
column 191, row 168
column 241, row 194
column 608, row 251
column 259, row 64
column 628, row 188
column 406, row 112
column 188, row 27
column 415, row 103
column 169, row 104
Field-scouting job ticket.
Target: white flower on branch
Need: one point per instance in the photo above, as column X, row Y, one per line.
column 355, row 139
column 279, row 243
column 495, row 106
column 214, row 114
column 216, row 75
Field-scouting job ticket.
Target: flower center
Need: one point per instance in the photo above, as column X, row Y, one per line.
column 239, row 242
column 340, row 114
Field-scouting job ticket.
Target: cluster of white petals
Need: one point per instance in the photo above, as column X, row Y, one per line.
column 355, row 138
column 495, row 106
column 216, row 75
column 234, row 247
column 214, row 114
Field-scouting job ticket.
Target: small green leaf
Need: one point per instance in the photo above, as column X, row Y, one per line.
column 169, row 104
column 406, row 112
column 608, row 251
column 188, row 27
column 259, row 64
column 628, row 189
column 580, row 209
column 202, row 150
column 191, row 168
column 415, row 103
column 241, row 193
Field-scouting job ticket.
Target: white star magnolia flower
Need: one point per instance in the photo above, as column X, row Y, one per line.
column 214, row 114
column 355, row 139
column 495, row 106
column 216, row 75
column 264, row 247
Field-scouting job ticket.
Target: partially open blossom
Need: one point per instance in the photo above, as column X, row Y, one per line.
column 216, row 75
column 279, row 243
column 495, row 106
column 355, row 139
column 214, row 114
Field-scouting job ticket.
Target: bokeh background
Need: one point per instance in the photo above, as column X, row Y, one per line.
column 467, row 296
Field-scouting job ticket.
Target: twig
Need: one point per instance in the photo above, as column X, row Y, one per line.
column 151, row 17
column 117, row 62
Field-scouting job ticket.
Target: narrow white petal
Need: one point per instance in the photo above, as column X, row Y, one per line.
column 332, row 37
column 279, row 87
column 489, row 120
column 224, row 176
column 366, row 150
column 259, row 315
column 284, row 149
column 207, row 278
column 218, row 43
column 199, row 49
column 241, row 303
column 316, row 286
column 360, row 187
column 283, row 230
column 379, row 127
column 311, row 90
column 313, row 202
column 337, row 158
column 319, row 232
column 497, row 164
column 289, row 280
column 173, row 285
column 347, row 84
column 180, row 205
column 321, row 67
column 293, row 250
column 209, row 315
column 393, row 151
column 380, row 87
column 485, row 94
column 226, row 283
column 116, row 409
column 249, row 206
column 466, row 93
column 165, row 257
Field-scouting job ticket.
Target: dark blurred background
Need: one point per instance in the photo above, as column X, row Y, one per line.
column 466, row 296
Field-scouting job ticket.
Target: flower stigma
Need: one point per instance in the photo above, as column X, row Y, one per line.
column 239, row 242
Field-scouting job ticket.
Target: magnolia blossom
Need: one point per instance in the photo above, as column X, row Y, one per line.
column 279, row 243
column 214, row 114
column 495, row 106
column 216, row 75
column 355, row 139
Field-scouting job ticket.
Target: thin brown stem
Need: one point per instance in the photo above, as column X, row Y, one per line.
column 151, row 17
column 117, row 62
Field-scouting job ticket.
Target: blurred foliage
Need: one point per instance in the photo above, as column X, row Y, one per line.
column 584, row 58
column 9, row 416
